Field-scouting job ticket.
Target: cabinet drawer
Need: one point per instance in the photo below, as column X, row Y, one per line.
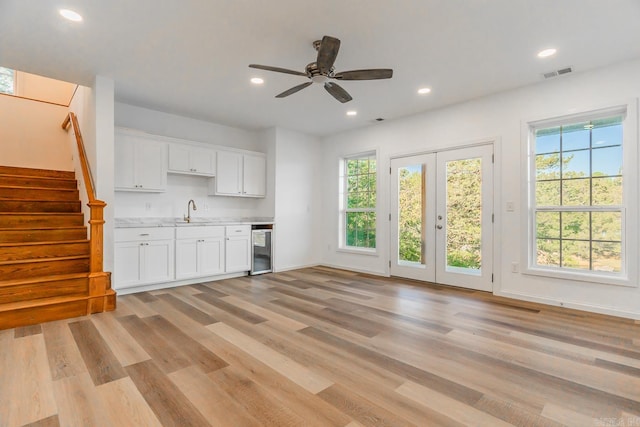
column 238, row 230
column 143, row 233
column 199, row 232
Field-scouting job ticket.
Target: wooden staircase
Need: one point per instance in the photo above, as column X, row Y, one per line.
column 45, row 256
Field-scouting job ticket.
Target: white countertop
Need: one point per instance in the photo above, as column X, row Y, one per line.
column 179, row 222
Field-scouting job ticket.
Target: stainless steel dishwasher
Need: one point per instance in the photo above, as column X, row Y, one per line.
column 261, row 250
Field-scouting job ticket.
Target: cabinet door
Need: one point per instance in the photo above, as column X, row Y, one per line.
column 179, row 158
column 151, row 169
column 186, row 258
column 255, row 176
column 124, row 158
column 203, row 162
column 158, row 261
column 238, row 254
column 228, row 173
column 127, row 270
column 211, row 256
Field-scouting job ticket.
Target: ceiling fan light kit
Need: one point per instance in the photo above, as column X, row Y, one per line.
column 322, row 71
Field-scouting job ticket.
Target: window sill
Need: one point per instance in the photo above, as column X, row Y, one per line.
column 596, row 278
column 359, row 251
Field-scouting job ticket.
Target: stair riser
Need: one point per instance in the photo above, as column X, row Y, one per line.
column 10, row 170
column 39, row 206
column 17, row 252
column 17, row 193
column 39, row 221
column 34, row 315
column 20, row 236
column 27, row 181
column 27, row 270
column 58, row 288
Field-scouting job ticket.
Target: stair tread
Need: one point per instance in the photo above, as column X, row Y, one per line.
column 20, row 187
column 37, row 172
column 48, row 242
column 42, row 213
column 49, row 278
column 40, row 302
column 47, row 259
column 53, row 178
column 71, row 227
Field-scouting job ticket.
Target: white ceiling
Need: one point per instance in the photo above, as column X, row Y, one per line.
column 190, row 57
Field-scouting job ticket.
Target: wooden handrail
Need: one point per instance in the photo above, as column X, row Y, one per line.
column 72, row 119
column 96, row 206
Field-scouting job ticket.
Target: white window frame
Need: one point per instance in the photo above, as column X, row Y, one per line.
column 629, row 272
column 342, row 239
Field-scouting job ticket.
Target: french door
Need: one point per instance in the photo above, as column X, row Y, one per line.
column 442, row 217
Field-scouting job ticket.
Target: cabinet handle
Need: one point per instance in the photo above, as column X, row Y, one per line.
column 144, row 234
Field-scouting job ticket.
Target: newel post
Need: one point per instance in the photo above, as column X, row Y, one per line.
column 102, row 298
column 96, row 223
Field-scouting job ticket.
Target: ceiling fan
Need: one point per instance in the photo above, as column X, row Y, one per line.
column 322, row 71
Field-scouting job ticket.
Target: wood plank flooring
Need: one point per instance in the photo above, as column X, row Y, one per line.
column 322, row 347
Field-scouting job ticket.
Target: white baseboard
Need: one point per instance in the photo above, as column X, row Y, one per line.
column 569, row 304
column 294, row 267
column 175, row 283
column 357, row 270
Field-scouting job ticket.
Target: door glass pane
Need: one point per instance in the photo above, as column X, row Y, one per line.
column 464, row 215
column 411, row 211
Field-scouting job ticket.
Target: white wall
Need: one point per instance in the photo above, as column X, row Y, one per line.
column 298, row 190
column 31, row 135
column 181, row 188
column 94, row 107
column 498, row 116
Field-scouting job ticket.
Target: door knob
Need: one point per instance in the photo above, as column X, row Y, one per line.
column 439, row 227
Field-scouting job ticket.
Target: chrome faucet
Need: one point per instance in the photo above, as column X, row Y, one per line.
column 188, row 217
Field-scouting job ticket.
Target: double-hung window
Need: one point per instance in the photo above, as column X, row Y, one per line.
column 579, row 187
column 358, row 204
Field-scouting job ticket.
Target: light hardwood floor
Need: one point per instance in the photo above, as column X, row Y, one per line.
column 322, row 347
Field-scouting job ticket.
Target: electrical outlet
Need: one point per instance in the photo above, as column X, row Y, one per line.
column 515, row 267
column 147, row 206
column 511, row 206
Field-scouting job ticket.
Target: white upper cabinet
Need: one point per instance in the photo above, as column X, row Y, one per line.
column 191, row 160
column 140, row 163
column 228, row 181
column 254, row 175
column 240, row 175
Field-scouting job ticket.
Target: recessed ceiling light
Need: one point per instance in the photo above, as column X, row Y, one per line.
column 257, row 81
column 424, row 90
column 71, row 15
column 352, row 113
column 547, row 52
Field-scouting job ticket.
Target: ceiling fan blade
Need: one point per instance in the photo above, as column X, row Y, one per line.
column 327, row 53
column 293, row 90
column 277, row 69
column 373, row 74
column 337, row 92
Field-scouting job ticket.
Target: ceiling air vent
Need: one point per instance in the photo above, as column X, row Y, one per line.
column 556, row 73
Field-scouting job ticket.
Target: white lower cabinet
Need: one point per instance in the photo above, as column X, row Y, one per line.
column 199, row 251
column 237, row 248
column 163, row 254
column 143, row 256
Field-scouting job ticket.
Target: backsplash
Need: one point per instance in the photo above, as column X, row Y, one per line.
column 173, row 202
